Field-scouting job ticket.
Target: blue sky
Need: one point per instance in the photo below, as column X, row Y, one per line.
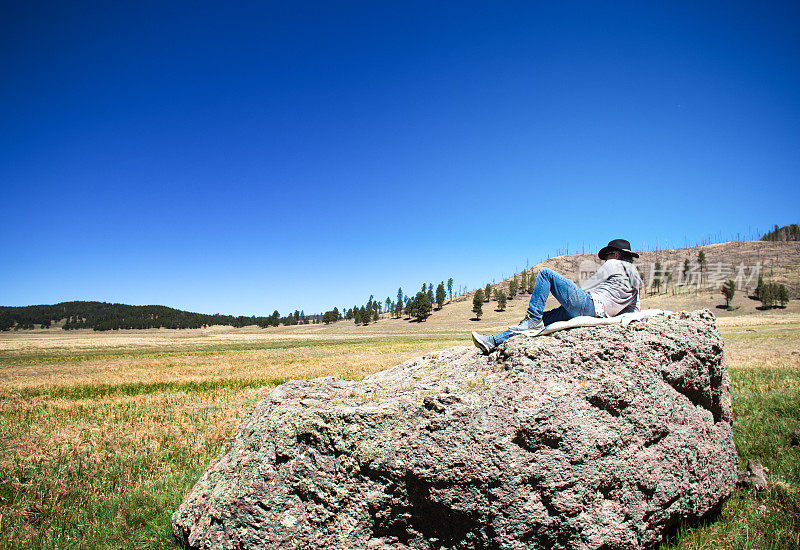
column 245, row 157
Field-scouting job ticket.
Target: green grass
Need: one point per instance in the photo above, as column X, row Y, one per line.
column 136, row 517
column 96, row 391
column 121, row 469
column 766, row 405
column 44, row 356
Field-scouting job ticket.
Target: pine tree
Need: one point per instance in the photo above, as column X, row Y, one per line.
column 430, row 293
column 531, row 283
column 783, row 295
column 657, row 276
column 477, row 303
column 399, row 304
column 701, row 261
column 766, row 296
column 440, row 295
column 513, row 286
column 423, row 306
column 759, row 287
column 501, row 298
column 411, row 306
column 728, row 290
column 487, row 292
column 523, row 285
column 450, row 287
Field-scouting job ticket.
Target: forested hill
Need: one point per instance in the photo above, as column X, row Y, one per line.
column 785, row 233
column 106, row 316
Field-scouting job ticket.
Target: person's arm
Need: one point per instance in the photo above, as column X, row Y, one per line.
column 638, row 306
column 600, row 275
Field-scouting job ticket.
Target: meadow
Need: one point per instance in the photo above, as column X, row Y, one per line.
column 102, row 435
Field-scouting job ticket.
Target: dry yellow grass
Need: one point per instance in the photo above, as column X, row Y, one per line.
column 102, row 433
column 354, row 361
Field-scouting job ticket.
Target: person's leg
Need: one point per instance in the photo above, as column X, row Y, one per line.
column 548, row 317
column 574, row 302
column 554, row 315
column 551, row 316
column 572, row 298
column 502, row 337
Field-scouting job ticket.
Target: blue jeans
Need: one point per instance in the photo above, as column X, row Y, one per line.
column 574, row 301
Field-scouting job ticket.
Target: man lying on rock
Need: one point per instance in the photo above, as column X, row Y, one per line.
column 613, row 290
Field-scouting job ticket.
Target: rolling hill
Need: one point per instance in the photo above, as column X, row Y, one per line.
column 775, row 261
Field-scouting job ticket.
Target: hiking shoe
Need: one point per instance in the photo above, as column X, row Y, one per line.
column 528, row 326
column 484, row 343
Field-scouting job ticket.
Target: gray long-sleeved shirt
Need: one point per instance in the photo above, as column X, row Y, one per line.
column 616, row 287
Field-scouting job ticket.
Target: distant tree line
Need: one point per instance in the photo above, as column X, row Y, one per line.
column 363, row 315
column 786, row 233
column 102, row 316
column 110, row 316
column 417, row 307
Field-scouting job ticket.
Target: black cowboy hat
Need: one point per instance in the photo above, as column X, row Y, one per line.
column 617, row 244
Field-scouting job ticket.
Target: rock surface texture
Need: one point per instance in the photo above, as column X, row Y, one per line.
column 595, row 438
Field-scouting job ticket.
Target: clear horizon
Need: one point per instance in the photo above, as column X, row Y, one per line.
column 242, row 159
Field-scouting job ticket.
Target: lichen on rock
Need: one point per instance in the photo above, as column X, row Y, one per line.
column 593, row 438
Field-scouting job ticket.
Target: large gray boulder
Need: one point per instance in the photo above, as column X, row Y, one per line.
column 593, row 438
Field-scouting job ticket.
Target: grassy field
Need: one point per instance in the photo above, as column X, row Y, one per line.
column 101, row 435
column 764, row 360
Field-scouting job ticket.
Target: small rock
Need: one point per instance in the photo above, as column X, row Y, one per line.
column 433, row 405
column 288, row 520
column 755, row 475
